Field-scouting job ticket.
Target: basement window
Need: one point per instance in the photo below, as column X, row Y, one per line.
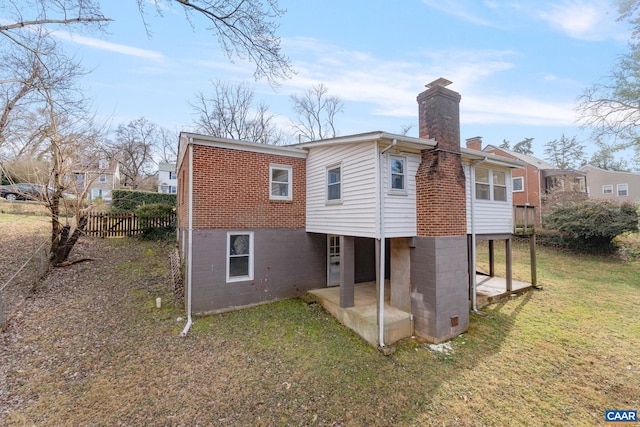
column 239, row 256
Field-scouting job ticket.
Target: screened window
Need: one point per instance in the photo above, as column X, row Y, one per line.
column 499, row 186
column 518, row 183
column 334, row 183
column 239, row 256
column 280, row 182
column 623, row 190
column 607, row 189
column 483, row 187
column 398, row 174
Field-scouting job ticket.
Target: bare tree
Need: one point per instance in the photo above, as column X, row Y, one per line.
column 169, row 145
column 612, row 107
column 316, row 113
column 229, row 112
column 245, row 29
column 49, row 125
column 135, row 146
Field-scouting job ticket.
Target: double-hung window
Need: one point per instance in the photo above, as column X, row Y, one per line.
column 239, row 256
column 499, row 186
column 483, row 186
column 397, row 173
column 280, row 179
column 491, row 185
column 607, row 189
column 334, row 183
column 102, row 178
column 623, row 189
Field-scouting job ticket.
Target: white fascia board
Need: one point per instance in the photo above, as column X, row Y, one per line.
column 471, row 155
column 235, row 144
column 403, row 140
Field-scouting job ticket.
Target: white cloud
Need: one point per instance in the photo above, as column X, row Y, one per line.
column 108, row 46
column 460, row 10
column 583, row 19
column 389, row 88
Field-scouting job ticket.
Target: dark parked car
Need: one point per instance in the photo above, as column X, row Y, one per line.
column 22, row 191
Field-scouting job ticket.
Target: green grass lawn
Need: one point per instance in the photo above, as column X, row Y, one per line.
column 560, row 356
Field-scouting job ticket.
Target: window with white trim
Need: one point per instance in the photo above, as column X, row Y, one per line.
column 491, row 185
column 334, row 183
column 623, row 189
column 397, row 173
column 518, row 184
column 280, row 178
column 607, row 189
column 483, row 186
column 499, row 186
column 103, row 177
column 239, row 256
column 172, row 175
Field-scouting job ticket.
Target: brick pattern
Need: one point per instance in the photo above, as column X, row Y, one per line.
column 231, row 190
column 440, row 180
column 440, row 195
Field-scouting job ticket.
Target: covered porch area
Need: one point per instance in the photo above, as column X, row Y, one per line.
column 362, row 317
column 398, row 324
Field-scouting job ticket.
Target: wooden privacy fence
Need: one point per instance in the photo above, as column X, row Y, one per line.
column 123, row 224
column 524, row 219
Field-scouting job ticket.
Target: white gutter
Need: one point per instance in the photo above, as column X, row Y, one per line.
column 382, row 239
column 474, row 284
column 190, row 246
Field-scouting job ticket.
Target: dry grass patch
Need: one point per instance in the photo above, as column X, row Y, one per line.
column 92, row 349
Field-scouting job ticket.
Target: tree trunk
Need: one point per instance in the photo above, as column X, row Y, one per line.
column 67, row 241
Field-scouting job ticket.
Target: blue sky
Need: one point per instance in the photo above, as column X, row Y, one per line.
column 519, row 65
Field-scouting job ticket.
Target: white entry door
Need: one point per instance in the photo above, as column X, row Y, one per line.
column 333, row 260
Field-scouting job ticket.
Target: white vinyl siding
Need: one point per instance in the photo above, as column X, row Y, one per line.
column 356, row 214
column 400, row 206
column 490, row 216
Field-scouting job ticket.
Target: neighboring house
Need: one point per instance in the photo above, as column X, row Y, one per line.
column 539, row 184
column 612, row 185
column 97, row 178
column 167, row 178
column 259, row 223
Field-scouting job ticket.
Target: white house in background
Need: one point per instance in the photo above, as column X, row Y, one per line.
column 612, row 185
column 97, row 178
column 167, row 178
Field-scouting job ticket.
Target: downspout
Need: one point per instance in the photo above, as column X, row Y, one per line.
column 190, row 246
column 474, row 284
column 382, row 254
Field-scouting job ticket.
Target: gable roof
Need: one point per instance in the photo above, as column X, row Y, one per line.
column 530, row 160
column 597, row 169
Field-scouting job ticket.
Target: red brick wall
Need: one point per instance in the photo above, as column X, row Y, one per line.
column 231, row 190
column 440, row 181
column 440, row 195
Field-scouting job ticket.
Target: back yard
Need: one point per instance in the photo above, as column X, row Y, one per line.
column 89, row 347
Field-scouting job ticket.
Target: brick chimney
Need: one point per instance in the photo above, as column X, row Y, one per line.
column 440, row 181
column 474, row 143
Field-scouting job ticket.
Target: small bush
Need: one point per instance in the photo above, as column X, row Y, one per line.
column 157, row 221
column 592, row 225
column 130, row 200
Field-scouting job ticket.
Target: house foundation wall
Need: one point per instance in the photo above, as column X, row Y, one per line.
column 287, row 263
column 439, row 287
